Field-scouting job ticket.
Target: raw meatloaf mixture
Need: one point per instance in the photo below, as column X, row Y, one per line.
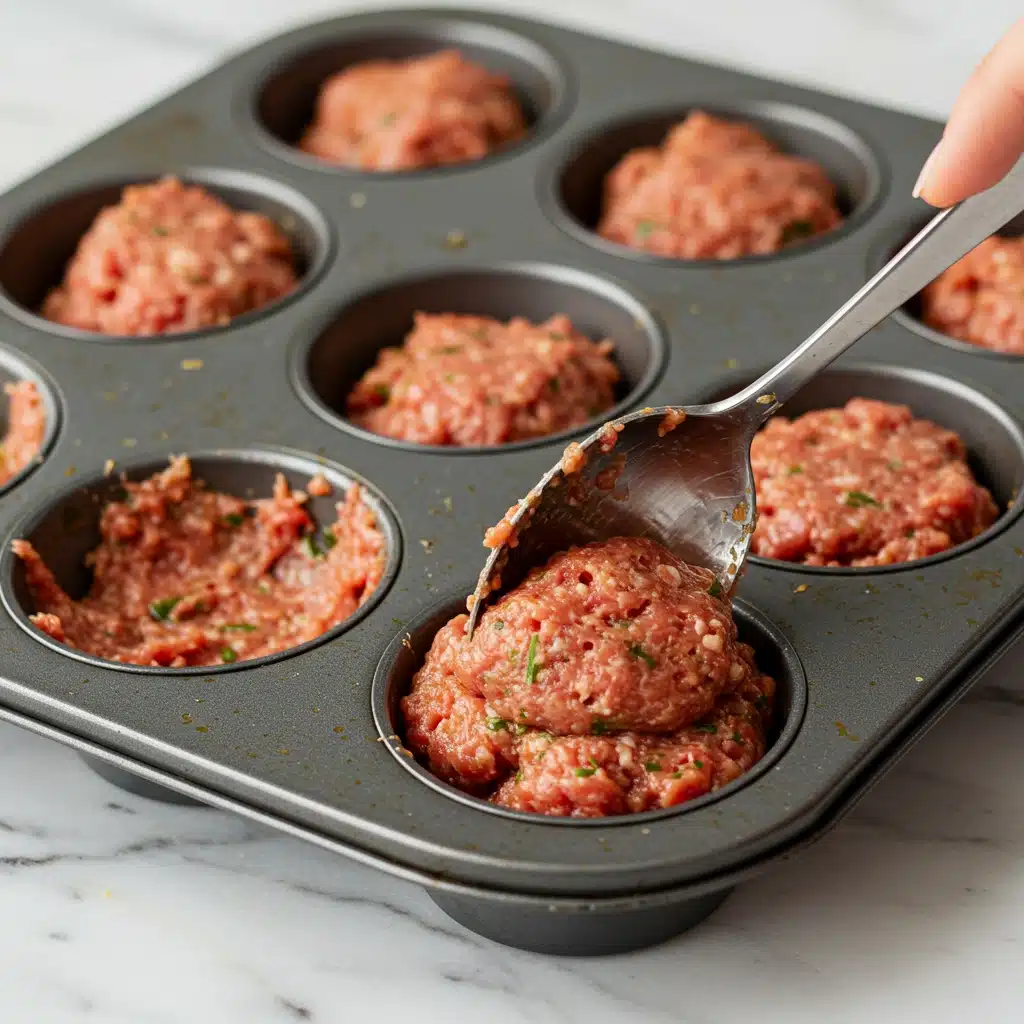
column 470, row 380
column 610, row 681
column 715, row 189
column 863, row 485
column 171, row 257
column 187, row 576
column 387, row 115
column 26, row 427
column 980, row 298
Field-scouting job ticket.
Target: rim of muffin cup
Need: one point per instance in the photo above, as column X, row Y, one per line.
column 279, row 105
column 909, row 314
column 976, row 414
column 402, row 657
column 571, row 188
column 15, row 367
column 76, row 509
column 28, row 271
column 338, row 350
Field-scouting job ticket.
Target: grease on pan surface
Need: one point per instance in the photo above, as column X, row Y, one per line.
column 611, row 681
column 864, row 485
column 168, row 258
column 470, row 380
column 405, row 115
column 715, row 189
column 980, row 299
column 26, row 428
column 187, row 576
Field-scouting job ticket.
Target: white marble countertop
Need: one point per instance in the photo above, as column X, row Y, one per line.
column 124, row 911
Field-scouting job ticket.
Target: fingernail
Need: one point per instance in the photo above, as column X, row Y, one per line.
column 922, row 178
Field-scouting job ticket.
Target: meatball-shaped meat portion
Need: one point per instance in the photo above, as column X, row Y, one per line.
column 168, row 258
column 401, row 115
column 715, row 189
column 470, row 380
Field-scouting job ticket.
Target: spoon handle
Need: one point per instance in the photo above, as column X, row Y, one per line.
column 949, row 235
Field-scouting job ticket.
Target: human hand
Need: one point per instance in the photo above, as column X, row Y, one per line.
column 985, row 132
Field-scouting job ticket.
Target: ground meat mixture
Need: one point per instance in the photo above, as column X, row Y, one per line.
column 470, row 380
column 863, row 485
column 980, row 299
column 610, row 681
column 428, row 111
column 188, row 576
column 168, row 258
column 26, row 427
column 715, row 189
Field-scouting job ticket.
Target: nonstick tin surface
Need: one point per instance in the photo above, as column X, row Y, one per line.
column 294, row 739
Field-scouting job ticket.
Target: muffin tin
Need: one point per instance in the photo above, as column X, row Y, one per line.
column 306, row 741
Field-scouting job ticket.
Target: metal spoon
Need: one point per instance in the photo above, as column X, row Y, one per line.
column 691, row 488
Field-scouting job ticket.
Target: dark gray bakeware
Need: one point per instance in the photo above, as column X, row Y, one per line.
column 866, row 660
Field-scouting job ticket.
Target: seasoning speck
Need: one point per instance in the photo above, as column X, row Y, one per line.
column 191, row 364
column 108, row 467
column 455, row 240
column 357, row 200
column 800, row 589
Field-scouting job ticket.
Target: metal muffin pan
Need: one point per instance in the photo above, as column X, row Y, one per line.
column 872, row 658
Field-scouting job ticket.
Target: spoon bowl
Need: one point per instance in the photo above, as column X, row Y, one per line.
column 681, row 475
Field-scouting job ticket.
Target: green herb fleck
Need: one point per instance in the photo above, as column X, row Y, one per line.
column 522, row 712
column 233, row 519
column 698, row 764
column 519, row 776
column 310, row 546
column 329, row 539
column 796, row 230
column 521, row 728
column 161, row 610
column 382, row 391
column 239, row 627
column 638, row 651
column 676, row 775
column 449, row 378
column 585, row 773
column 554, row 385
column 228, row 655
column 497, row 724
column 531, row 660
column 909, row 533
column 858, row 499
column 602, row 726
column 449, row 350
column 653, row 766
column 716, row 589
column 895, row 465
column 737, row 738
column 513, row 655
column 645, row 228
column 388, row 119
column 794, row 470
column 161, row 232
column 708, row 727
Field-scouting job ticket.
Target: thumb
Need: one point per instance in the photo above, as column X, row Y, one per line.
column 985, row 133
